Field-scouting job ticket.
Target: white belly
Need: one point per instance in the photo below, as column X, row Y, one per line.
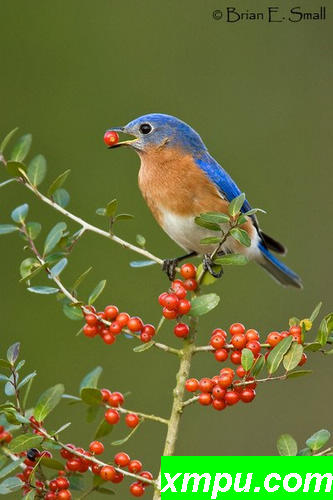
column 187, row 234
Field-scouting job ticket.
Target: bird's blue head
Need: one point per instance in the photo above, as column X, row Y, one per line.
column 155, row 131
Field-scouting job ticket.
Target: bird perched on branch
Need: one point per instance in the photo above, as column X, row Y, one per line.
column 180, row 180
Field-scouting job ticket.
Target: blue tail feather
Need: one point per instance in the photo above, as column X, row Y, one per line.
column 278, row 269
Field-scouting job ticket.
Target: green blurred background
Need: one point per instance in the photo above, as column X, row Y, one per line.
column 260, row 96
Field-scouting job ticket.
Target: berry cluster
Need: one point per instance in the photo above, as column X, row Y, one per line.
column 110, row 323
column 112, row 416
column 5, row 436
column 174, row 301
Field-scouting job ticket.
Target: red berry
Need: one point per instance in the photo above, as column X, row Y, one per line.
column 181, row 330
column 219, row 331
column 115, row 328
column 147, row 475
column 205, row 399
column 273, row 339
column 184, row 306
column 239, row 340
column 236, row 357
column 107, row 472
column 219, row 404
column 111, row 138
column 145, row 337
column 254, row 346
column 111, row 312
column 137, row 489
column 135, row 324
column 171, row 301
column 105, row 396
column 162, row 297
column 190, row 284
column 221, row 354
column 237, row 328
column 64, row 495
column 149, row 330
column 91, row 309
column 50, row 496
column 241, row 372
column 218, row 392
column 225, row 380
column 295, row 330
column 73, row 464
column 118, row 478
column 91, row 320
column 122, row 459
column 217, row 341
column 169, row 314
column 252, row 334
column 231, row 398
column 228, row 370
column 135, row 466
column 116, row 399
column 132, row 420
column 53, row 485
column 96, row 469
column 122, row 319
column 109, row 338
column 206, row 385
column 188, row 271
column 90, row 331
column 96, row 447
column 284, row 334
column 63, row 483
column 180, row 292
column 253, row 385
column 192, row 385
column 247, row 395
column 112, row 416
column 303, row 359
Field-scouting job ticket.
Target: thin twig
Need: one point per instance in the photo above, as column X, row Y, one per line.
column 144, row 415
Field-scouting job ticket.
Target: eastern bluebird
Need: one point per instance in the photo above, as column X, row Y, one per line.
column 180, row 180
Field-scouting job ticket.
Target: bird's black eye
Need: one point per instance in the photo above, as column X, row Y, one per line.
column 145, row 128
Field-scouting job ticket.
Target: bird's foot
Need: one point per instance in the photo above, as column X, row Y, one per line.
column 208, row 265
column 169, row 267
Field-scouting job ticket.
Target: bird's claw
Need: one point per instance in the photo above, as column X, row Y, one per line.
column 169, row 267
column 208, row 264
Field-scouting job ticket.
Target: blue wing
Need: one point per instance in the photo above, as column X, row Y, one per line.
column 221, row 179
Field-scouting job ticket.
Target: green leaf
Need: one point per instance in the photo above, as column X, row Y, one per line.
column 111, row 208
column 144, row 347
column 254, row 211
column 141, row 240
column 26, row 379
column 141, row 263
column 305, row 452
column 323, row 332
column 58, row 182
column 21, row 148
column 91, row 379
column 73, row 313
column 232, row 259
column 210, row 240
column 287, row 445
column 91, row 413
column 236, row 205
column 317, row 440
column 203, row 304
column 120, row 442
column 298, row 373
column 76, row 482
column 276, row 355
column 13, row 352
column 51, row 463
column 294, row 321
column 96, row 292
column 62, row 428
column 258, row 366
column 28, row 265
column 104, row 491
column 33, row 229
column 103, row 429
column 19, row 213
column 9, row 485
column 11, row 467
column 208, row 279
column 208, row 225
column 101, row 211
column 241, row 236
column 48, row 401
column 247, row 359
column 54, row 237
column 293, row 356
column 59, row 267
column 43, row 290
column 79, row 280
column 24, row 442
column 91, row 396
column 241, row 220
column 315, row 312
column 37, row 170
column 215, row 217
column 61, row 197
column 123, row 217
column 33, row 273
column 6, row 140
column 4, row 363
column 8, row 228
column 16, row 169
column 313, row 347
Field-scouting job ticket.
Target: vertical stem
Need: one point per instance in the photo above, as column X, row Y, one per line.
column 178, row 395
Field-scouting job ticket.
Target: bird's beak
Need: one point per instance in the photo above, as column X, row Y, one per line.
column 129, row 142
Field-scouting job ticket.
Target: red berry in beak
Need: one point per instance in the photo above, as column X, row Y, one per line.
column 111, row 138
